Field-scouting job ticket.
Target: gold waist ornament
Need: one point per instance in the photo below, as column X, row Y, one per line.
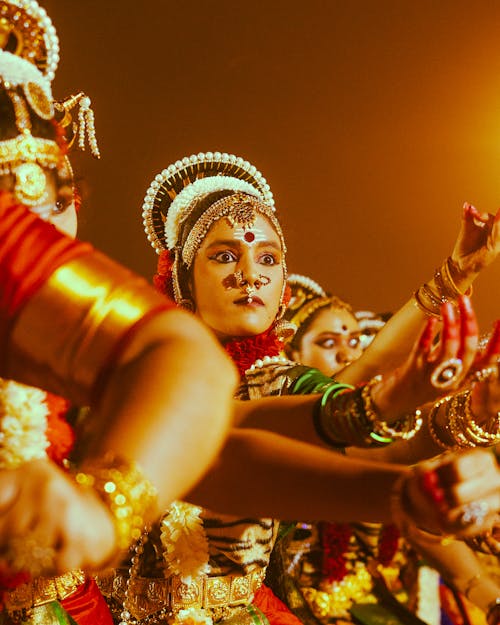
column 42, row 590
column 149, row 595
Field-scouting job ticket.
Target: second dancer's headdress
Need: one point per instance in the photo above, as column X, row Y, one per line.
column 307, row 297
column 29, row 55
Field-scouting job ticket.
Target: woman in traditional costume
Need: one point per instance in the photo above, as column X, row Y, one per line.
column 77, row 324
column 336, row 572
column 212, row 220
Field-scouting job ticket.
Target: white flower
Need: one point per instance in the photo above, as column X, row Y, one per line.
column 193, row 616
column 23, row 424
column 184, row 542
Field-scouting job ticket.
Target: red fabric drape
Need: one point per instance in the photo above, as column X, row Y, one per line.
column 275, row 610
column 87, row 606
column 30, row 251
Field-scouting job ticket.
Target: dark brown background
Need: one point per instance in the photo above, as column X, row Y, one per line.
column 373, row 121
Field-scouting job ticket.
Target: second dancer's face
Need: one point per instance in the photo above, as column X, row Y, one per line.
column 331, row 342
column 238, row 278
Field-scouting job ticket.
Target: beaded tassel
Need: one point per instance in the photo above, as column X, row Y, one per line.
column 86, row 127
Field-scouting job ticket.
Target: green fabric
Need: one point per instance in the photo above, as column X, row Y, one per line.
column 310, row 381
column 49, row 614
column 62, row 615
column 258, row 617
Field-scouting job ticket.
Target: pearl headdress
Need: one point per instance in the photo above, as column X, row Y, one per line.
column 174, row 194
column 170, row 196
column 27, row 31
column 26, row 156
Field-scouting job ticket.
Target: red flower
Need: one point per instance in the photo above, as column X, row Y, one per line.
column 59, row 432
column 10, row 580
column 163, row 276
column 388, row 544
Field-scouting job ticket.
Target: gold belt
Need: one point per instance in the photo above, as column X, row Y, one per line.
column 43, row 590
column 148, row 595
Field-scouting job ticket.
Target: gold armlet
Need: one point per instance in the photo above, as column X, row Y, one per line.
column 95, row 302
column 127, row 493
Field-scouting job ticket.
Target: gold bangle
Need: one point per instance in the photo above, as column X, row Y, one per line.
column 423, row 302
column 129, row 496
column 449, row 266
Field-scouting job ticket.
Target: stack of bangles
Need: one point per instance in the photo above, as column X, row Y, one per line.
column 430, row 296
column 344, row 416
column 460, row 428
column 127, row 493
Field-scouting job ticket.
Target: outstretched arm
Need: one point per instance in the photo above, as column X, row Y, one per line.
column 476, row 247
column 263, row 474
column 343, row 418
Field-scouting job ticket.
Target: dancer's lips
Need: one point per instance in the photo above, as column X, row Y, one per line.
column 249, row 300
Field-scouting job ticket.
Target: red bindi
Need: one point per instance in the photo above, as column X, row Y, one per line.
column 249, row 237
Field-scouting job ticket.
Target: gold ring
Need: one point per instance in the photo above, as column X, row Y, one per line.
column 447, row 373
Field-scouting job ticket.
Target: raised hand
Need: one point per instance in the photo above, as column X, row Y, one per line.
column 432, row 369
column 456, row 494
column 478, row 242
column 48, row 524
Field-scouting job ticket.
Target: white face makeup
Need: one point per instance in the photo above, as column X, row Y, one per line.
column 250, row 236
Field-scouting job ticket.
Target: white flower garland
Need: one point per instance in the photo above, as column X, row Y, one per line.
column 428, row 600
column 17, row 71
column 23, row 424
column 184, row 541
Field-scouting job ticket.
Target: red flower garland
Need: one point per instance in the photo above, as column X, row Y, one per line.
column 59, row 433
column 244, row 351
column 335, row 538
column 10, row 580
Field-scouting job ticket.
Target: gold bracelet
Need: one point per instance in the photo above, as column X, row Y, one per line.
column 475, row 432
column 463, row 428
column 129, row 496
column 454, row 410
column 471, row 583
column 431, row 424
column 427, row 306
column 404, row 428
